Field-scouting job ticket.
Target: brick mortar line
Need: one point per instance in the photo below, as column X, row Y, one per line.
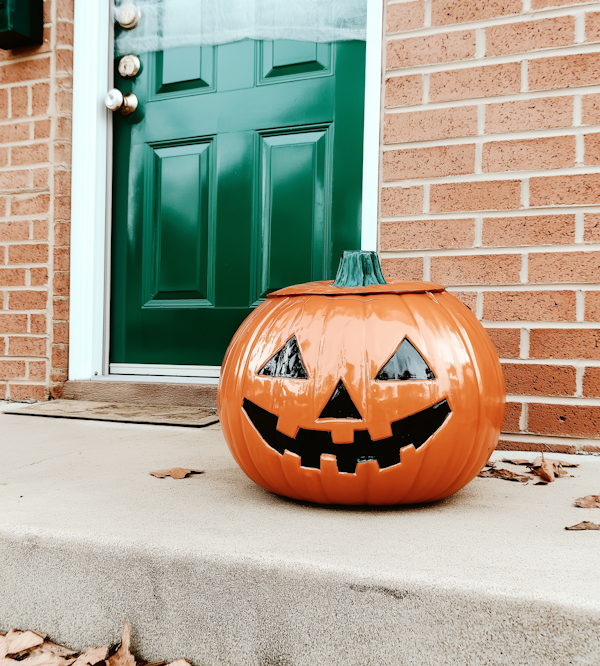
column 500, row 137
column 546, row 439
column 538, row 325
column 471, row 63
column 512, row 19
column 513, row 212
column 493, row 99
column 492, row 250
column 571, row 363
column 553, row 400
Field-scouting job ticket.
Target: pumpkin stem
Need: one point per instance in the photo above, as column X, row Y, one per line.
column 359, row 269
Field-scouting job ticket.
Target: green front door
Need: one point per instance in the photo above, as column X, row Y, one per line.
column 240, row 173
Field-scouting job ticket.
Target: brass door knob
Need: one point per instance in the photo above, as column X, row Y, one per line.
column 129, row 66
column 128, row 15
column 115, row 100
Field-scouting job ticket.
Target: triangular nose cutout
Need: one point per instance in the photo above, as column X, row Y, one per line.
column 340, row 405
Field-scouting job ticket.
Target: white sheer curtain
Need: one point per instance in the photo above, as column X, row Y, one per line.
column 170, row 23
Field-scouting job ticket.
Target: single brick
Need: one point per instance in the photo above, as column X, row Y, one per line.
column 401, row 201
column 591, row 383
column 64, row 33
column 62, row 208
column 62, row 153
column 27, row 300
column 410, row 268
column 33, row 154
column 462, row 11
column 428, row 162
column 512, row 416
column 3, row 103
column 41, row 129
column 403, row 90
column 468, row 298
column 13, row 323
column 61, row 256
column 14, row 132
column 564, row 71
column 592, row 27
column 564, row 420
column 60, row 333
column 506, row 340
column 527, row 154
column 40, row 178
column 11, row 181
column 559, row 267
column 529, row 306
column 61, row 283
column 25, row 70
column 433, row 124
column 19, row 101
column 27, row 346
column 26, row 392
column 443, row 47
column 578, row 190
column 427, row 234
column 505, row 445
column 529, row 35
column 37, row 371
column 530, row 379
column 61, row 309
column 542, row 4
column 62, row 234
column 39, row 277
column 590, row 109
column 28, row 254
column 64, row 60
column 40, row 99
column 592, row 306
column 12, row 277
column 591, row 225
column 62, row 183
column 487, row 81
column 40, row 230
column 484, row 269
column 591, row 448
column 65, row 9
column 38, row 323
column 3, row 156
column 64, row 128
column 557, row 343
column 60, row 356
column 530, row 230
column 12, row 369
column 30, row 205
column 405, row 16
column 58, row 375
column 483, row 195
column 591, row 149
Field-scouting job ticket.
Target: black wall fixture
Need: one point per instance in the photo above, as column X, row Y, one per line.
column 21, row 23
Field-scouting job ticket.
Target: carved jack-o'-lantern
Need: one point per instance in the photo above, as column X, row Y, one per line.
column 361, row 391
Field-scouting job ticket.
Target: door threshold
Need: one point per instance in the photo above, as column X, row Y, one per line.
column 143, row 371
column 157, row 379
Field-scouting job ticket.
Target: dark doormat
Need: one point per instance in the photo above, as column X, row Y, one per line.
column 195, row 417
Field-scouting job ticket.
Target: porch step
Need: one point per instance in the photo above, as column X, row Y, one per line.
column 142, row 393
column 214, row 569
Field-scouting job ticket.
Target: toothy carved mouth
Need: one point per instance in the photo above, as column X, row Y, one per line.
column 311, row 444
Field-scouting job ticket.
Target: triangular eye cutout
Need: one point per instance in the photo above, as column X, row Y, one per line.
column 287, row 362
column 340, row 405
column 405, row 364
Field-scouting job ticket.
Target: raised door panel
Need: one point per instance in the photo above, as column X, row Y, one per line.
column 293, row 216
column 287, row 59
column 178, row 261
column 185, row 68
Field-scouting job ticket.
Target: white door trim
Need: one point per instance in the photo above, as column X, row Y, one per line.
column 90, row 191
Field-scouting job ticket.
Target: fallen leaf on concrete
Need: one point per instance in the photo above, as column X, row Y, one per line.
column 588, row 502
column 175, row 472
column 537, row 462
column 585, row 525
column 516, row 461
column 92, row 656
column 123, row 656
column 20, row 641
column 547, row 471
column 503, row 474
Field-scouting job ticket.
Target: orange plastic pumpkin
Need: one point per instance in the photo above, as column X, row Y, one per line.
column 370, row 394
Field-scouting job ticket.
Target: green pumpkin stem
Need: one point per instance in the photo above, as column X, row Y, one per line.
column 359, row 269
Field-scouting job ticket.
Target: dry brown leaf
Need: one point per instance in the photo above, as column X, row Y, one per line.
column 19, row 641
column 516, row 461
column 546, row 471
column 585, row 525
column 588, row 502
column 123, row 656
column 92, row 656
column 503, row 474
column 44, row 659
column 537, row 462
column 175, row 472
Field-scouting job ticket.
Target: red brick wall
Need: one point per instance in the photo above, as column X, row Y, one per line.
column 35, row 157
column 491, row 185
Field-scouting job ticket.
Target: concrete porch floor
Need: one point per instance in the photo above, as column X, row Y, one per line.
column 216, row 570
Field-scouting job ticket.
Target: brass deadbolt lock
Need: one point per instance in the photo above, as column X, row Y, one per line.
column 129, row 66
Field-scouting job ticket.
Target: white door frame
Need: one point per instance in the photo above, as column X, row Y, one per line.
column 91, row 179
